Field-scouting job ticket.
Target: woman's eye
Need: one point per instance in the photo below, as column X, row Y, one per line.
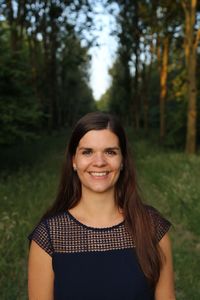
column 111, row 152
column 87, row 152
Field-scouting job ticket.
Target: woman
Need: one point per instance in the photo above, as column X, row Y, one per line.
column 99, row 241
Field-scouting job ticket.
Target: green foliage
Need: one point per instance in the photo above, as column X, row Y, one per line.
column 43, row 68
column 142, row 27
column 20, row 115
column 175, row 108
column 76, row 96
column 103, row 102
column 119, row 93
column 169, row 181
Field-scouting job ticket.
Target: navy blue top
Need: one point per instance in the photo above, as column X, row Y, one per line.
column 94, row 263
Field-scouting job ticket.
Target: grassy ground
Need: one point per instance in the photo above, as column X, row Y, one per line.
column 29, row 175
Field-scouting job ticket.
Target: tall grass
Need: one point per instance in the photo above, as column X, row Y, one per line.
column 169, row 181
column 25, row 192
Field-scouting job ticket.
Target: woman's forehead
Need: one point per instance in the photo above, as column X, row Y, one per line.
column 95, row 138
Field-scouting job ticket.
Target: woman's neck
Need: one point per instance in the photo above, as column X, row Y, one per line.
column 98, row 210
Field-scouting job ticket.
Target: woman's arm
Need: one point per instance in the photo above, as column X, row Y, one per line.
column 165, row 286
column 40, row 274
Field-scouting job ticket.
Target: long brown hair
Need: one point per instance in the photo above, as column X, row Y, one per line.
column 127, row 196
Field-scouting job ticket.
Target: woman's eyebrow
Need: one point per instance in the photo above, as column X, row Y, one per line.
column 107, row 148
column 84, row 148
column 112, row 148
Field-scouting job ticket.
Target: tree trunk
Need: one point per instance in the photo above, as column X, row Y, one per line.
column 163, row 86
column 192, row 110
column 146, row 77
column 158, row 51
column 136, row 96
column 191, row 43
column 13, row 27
column 144, row 92
column 135, row 91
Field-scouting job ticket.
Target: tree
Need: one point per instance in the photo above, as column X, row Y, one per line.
column 20, row 114
column 44, row 52
column 119, row 93
column 143, row 27
column 192, row 37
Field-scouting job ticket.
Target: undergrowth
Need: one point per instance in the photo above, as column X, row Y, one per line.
column 168, row 179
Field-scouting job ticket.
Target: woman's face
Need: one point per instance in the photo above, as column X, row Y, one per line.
column 98, row 161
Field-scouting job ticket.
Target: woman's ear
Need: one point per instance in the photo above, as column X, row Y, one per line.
column 74, row 164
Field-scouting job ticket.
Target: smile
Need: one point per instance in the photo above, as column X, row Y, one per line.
column 99, row 174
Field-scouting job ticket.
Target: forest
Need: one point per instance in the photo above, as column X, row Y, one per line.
column 45, row 65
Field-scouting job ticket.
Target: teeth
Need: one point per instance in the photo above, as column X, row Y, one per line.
column 99, row 174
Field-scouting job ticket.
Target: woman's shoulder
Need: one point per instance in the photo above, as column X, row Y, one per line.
column 160, row 224
column 44, row 232
column 50, row 220
column 56, row 218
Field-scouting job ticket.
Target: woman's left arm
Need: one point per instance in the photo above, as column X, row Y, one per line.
column 165, row 287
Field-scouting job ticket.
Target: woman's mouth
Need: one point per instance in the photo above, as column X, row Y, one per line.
column 99, row 174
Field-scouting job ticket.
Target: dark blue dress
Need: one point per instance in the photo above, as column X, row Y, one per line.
column 94, row 263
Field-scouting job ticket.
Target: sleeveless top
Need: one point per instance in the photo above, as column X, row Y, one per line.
column 94, row 263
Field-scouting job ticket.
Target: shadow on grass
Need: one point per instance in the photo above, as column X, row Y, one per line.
column 25, row 155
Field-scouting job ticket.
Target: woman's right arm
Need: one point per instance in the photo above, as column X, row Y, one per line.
column 40, row 274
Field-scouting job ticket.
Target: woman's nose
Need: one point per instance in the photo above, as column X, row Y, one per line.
column 99, row 159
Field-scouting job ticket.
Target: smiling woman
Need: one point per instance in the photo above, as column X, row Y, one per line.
column 98, row 162
column 99, row 240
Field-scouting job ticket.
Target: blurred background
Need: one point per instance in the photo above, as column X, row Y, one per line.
column 62, row 59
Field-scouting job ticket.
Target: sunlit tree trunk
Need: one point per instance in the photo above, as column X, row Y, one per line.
column 163, row 86
column 190, row 45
